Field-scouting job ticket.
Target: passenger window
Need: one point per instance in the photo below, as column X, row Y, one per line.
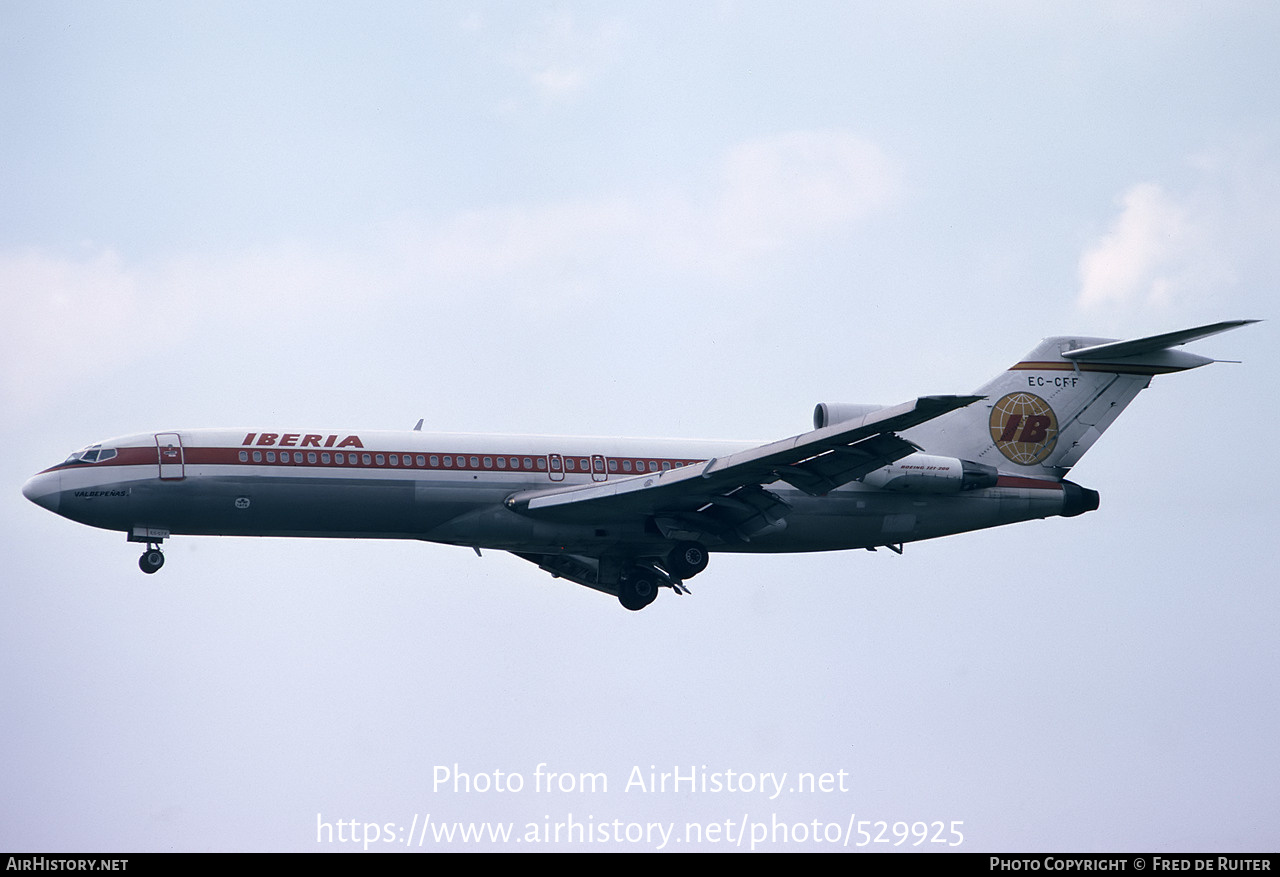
column 244, row 456
column 381, row 460
column 324, row 458
column 366, row 459
column 311, row 456
column 422, row 461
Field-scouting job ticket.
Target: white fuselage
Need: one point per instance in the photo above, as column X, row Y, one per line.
column 451, row 488
column 629, row 516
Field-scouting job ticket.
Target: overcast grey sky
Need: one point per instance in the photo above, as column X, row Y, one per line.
column 657, row 219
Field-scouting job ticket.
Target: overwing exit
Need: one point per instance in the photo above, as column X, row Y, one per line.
column 630, row 516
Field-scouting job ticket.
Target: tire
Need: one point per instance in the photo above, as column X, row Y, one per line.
column 687, row 559
column 638, row 590
column 151, row 561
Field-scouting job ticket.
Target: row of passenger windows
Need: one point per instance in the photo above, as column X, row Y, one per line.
column 451, row 461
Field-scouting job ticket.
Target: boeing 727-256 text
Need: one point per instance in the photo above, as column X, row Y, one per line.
column 630, row 516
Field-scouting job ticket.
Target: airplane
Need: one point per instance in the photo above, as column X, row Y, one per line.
column 630, row 516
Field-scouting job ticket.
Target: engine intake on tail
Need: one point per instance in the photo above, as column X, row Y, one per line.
column 827, row 413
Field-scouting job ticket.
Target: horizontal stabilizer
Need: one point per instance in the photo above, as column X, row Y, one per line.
column 1151, row 344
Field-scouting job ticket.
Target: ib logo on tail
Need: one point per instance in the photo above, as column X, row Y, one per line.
column 1024, row 428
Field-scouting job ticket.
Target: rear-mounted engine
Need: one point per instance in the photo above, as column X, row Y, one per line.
column 1077, row 500
column 925, row 473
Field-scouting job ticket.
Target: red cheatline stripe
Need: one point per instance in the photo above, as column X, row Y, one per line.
column 1096, row 367
column 1029, row 483
column 199, row 456
column 461, row 462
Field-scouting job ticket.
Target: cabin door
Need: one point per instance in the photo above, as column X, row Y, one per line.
column 169, row 448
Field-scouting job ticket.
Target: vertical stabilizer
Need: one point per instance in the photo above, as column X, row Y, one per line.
column 1047, row 410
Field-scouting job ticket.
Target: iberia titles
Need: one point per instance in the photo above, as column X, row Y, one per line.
column 299, row 440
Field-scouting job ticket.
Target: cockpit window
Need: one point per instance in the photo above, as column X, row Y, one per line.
column 91, row 454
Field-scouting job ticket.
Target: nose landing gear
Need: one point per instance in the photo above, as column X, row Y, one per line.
column 151, row 560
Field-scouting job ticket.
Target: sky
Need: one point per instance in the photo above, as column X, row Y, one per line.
column 621, row 219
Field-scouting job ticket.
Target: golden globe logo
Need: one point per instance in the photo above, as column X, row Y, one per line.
column 1024, row 428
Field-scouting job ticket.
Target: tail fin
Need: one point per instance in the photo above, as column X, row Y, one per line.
column 1042, row 414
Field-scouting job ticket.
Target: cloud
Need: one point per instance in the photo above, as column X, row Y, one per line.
column 781, row 188
column 768, row 194
column 1170, row 251
column 1143, row 259
column 616, row 253
column 86, row 313
column 561, row 57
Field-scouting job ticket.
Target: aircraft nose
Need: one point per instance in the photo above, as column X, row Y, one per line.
column 45, row 490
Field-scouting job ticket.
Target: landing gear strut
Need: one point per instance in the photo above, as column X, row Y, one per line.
column 151, row 560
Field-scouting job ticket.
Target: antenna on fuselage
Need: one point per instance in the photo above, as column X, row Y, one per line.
column 418, row 428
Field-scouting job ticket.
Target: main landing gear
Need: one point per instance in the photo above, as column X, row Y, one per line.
column 686, row 560
column 151, row 560
column 639, row 584
column 638, row 588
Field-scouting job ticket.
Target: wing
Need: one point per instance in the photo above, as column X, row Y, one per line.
column 724, row 496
